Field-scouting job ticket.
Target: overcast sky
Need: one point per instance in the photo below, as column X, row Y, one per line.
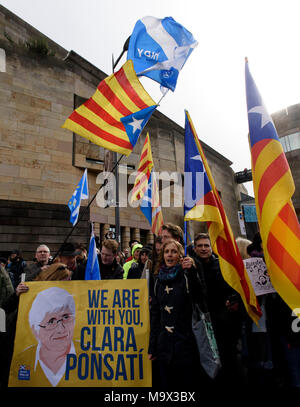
column 211, row 85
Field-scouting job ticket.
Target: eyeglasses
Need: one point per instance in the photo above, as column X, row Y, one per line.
column 53, row 322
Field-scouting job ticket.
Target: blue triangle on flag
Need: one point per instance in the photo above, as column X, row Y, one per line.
column 146, row 203
column 196, row 183
column 135, row 122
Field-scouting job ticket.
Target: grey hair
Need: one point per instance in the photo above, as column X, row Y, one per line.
column 52, row 299
column 42, row 245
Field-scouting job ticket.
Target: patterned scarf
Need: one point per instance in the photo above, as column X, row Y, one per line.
column 168, row 273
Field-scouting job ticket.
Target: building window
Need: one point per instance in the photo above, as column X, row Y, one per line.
column 2, row 60
column 290, row 142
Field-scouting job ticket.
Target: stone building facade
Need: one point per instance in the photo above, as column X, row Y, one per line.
column 287, row 123
column 40, row 163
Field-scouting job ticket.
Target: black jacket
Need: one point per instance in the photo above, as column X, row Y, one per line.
column 113, row 271
column 171, row 336
column 226, row 323
column 32, row 271
column 135, row 271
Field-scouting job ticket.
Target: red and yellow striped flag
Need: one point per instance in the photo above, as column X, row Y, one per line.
column 209, row 208
column 146, row 189
column 273, row 190
column 116, row 114
column 143, row 172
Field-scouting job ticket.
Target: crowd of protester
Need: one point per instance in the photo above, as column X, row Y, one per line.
column 267, row 354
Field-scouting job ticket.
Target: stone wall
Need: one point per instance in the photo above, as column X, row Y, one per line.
column 26, row 225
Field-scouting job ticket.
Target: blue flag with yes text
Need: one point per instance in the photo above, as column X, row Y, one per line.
column 159, row 48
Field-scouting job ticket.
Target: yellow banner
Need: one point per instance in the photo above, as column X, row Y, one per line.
column 82, row 334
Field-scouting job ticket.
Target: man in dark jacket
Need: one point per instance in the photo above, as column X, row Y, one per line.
column 42, row 256
column 223, row 304
column 110, row 269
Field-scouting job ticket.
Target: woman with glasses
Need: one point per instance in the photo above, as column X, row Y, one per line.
column 52, row 320
column 53, row 312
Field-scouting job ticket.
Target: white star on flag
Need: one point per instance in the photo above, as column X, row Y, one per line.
column 136, row 124
column 196, row 157
column 265, row 117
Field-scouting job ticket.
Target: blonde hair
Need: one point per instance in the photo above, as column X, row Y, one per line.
column 160, row 259
column 55, row 272
column 242, row 245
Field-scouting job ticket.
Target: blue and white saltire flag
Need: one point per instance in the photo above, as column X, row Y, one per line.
column 92, row 270
column 81, row 192
column 146, row 202
column 159, row 48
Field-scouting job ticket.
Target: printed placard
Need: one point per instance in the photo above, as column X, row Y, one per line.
column 257, row 271
column 82, row 334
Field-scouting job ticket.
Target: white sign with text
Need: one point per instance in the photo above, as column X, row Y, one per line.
column 257, row 271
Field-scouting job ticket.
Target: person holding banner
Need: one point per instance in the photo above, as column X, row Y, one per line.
column 6, row 339
column 172, row 340
column 9, row 300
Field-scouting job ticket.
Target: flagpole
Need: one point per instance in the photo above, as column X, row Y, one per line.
column 185, row 236
column 125, row 48
column 117, row 207
column 117, row 203
column 84, row 211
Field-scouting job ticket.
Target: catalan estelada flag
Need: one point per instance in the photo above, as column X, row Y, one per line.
column 116, row 114
column 143, row 172
column 208, row 207
column 273, row 189
column 146, row 189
